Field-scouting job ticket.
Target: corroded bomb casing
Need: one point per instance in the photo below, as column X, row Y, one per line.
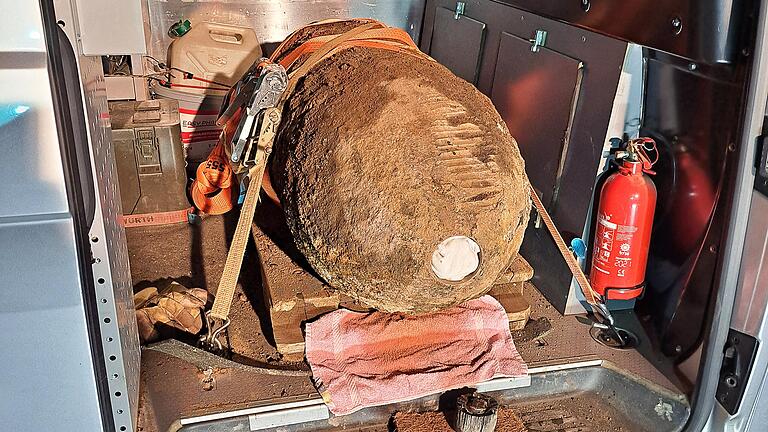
column 400, row 182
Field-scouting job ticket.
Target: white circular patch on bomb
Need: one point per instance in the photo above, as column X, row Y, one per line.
column 456, row 258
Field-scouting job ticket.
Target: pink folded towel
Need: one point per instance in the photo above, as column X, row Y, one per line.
column 366, row 359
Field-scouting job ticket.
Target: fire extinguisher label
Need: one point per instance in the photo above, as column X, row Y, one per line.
column 606, row 258
column 606, row 231
column 623, row 261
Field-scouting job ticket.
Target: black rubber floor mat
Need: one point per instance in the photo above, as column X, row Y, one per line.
column 595, row 399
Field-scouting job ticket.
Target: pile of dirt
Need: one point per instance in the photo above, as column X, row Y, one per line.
column 577, row 412
column 380, row 157
column 435, row 421
column 194, row 255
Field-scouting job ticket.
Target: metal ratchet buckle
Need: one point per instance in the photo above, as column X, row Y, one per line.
column 214, row 327
column 600, row 308
column 240, row 92
column 267, row 90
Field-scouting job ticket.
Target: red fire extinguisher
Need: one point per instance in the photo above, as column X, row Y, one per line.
column 624, row 222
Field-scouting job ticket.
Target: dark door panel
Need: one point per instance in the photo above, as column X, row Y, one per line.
column 457, row 42
column 527, row 83
column 703, row 30
column 557, row 103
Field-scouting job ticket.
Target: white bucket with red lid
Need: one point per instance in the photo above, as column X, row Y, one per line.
column 197, row 113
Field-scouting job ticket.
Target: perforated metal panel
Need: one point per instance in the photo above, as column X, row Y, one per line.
column 111, row 269
column 273, row 20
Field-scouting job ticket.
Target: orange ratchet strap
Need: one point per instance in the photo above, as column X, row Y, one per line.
column 159, row 218
column 213, row 190
column 383, row 38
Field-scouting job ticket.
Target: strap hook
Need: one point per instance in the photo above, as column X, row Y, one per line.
column 214, row 327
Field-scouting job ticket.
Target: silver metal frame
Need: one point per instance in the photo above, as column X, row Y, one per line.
column 750, row 317
column 708, row 415
column 111, row 268
column 305, row 411
column 48, row 379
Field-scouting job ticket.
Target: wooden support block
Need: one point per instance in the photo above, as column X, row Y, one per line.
column 518, row 271
column 292, row 295
column 352, row 304
column 511, row 287
column 286, row 328
column 476, row 412
column 510, row 295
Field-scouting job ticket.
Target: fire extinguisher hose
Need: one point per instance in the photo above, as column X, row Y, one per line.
column 592, row 297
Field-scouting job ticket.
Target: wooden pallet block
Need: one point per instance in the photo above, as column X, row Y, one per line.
column 292, row 295
column 518, row 271
column 508, row 290
column 510, row 295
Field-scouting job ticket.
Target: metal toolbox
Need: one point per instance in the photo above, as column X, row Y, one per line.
column 150, row 159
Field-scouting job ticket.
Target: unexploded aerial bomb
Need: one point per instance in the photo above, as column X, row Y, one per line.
column 400, row 182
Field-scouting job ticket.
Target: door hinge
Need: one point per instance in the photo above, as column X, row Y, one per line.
column 459, row 10
column 539, row 40
column 761, row 165
column 738, row 355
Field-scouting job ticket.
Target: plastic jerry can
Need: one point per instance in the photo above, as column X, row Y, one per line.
column 198, row 113
column 148, row 152
column 213, row 52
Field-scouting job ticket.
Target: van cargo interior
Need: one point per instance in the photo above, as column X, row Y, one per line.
column 573, row 81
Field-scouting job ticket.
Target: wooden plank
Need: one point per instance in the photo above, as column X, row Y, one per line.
column 511, row 287
column 292, row 294
column 518, row 271
column 293, row 351
column 287, row 280
column 510, row 295
column 286, row 329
